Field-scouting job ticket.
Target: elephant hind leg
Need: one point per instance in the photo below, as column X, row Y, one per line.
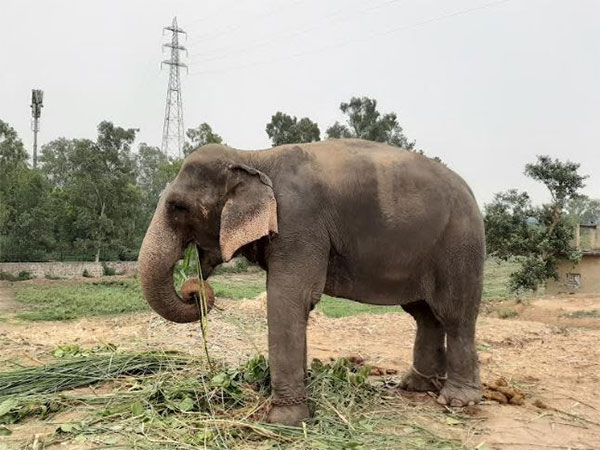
column 429, row 353
column 458, row 313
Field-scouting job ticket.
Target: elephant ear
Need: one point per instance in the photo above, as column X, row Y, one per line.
column 249, row 213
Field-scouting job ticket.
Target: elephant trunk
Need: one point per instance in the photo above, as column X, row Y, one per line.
column 160, row 251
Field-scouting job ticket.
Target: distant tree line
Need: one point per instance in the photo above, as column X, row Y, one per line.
column 93, row 199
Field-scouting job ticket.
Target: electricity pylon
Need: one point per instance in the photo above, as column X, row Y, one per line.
column 173, row 132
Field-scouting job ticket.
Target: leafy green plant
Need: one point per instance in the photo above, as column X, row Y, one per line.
column 108, row 271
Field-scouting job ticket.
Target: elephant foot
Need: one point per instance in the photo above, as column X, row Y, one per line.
column 292, row 415
column 458, row 395
column 416, row 381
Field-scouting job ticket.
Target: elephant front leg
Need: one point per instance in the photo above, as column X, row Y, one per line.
column 290, row 293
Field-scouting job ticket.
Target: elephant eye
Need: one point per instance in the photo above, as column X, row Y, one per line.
column 178, row 207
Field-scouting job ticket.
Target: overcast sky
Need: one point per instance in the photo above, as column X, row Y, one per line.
column 485, row 85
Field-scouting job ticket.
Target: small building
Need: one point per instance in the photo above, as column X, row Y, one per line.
column 583, row 277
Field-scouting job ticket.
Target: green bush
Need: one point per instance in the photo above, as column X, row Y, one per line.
column 22, row 276
column 51, row 277
column 507, row 313
column 108, row 271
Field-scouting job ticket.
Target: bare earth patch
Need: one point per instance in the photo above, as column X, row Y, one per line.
column 552, row 358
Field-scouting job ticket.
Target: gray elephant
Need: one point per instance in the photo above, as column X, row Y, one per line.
column 349, row 218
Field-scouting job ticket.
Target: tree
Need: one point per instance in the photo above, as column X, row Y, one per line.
column 98, row 182
column 154, row 171
column 537, row 236
column 201, row 135
column 12, row 151
column 364, row 121
column 584, row 210
column 26, row 219
column 285, row 129
column 27, row 228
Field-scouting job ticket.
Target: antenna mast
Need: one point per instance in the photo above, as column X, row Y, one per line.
column 37, row 103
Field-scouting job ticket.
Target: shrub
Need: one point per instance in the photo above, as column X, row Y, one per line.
column 507, row 313
column 49, row 276
column 108, row 271
column 22, row 276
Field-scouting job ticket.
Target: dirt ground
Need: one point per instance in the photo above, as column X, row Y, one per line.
column 553, row 357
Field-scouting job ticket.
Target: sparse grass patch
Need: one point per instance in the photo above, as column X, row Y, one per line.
column 338, row 307
column 237, row 290
column 583, row 314
column 73, row 300
column 68, row 300
column 496, row 278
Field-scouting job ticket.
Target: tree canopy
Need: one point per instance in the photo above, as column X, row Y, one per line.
column 285, row 129
column 364, row 121
column 201, row 135
column 98, row 182
column 538, row 236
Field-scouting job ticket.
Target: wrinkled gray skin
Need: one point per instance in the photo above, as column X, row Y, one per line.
column 348, row 218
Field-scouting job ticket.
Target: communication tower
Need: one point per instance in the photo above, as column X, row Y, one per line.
column 37, row 103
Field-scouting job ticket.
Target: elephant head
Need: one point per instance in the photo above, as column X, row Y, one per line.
column 215, row 202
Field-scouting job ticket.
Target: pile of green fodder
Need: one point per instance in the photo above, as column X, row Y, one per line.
column 162, row 400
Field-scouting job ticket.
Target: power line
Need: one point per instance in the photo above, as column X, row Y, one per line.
column 237, row 26
column 268, row 41
column 208, row 16
column 345, row 43
column 173, row 138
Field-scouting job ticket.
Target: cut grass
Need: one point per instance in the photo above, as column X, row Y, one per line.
column 182, row 405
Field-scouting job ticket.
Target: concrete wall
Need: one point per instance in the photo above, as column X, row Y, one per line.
column 577, row 278
column 67, row 269
column 75, row 269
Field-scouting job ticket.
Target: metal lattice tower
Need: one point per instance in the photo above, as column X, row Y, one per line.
column 173, row 132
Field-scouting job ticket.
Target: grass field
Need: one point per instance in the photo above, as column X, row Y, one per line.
column 65, row 300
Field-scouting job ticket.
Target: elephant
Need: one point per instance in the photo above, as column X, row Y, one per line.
column 350, row 218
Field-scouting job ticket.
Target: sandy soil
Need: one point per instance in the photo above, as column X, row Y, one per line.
column 552, row 358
